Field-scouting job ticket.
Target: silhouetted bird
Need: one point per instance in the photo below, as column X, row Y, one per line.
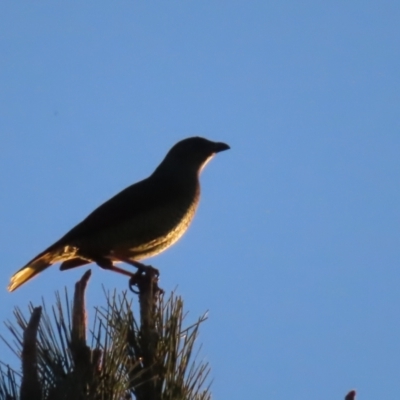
column 139, row 222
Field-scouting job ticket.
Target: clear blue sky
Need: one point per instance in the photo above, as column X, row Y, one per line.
column 295, row 248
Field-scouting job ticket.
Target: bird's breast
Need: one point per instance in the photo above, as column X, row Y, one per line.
column 160, row 229
column 149, row 233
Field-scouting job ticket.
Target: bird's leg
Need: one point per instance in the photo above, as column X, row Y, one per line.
column 142, row 268
column 105, row 263
column 145, row 273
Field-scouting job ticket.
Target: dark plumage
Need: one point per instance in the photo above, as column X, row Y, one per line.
column 139, row 222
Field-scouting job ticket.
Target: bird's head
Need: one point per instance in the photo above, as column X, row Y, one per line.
column 191, row 154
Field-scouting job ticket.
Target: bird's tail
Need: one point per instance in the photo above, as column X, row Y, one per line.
column 35, row 266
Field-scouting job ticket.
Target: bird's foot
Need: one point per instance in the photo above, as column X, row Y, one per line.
column 145, row 277
column 142, row 267
column 148, row 270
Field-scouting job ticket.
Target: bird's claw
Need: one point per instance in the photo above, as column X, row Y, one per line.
column 148, row 269
column 145, row 273
column 142, row 268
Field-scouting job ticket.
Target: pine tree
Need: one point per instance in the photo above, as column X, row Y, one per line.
column 150, row 358
column 145, row 358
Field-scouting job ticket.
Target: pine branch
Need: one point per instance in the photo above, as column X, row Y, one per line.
column 9, row 388
column 31, row 388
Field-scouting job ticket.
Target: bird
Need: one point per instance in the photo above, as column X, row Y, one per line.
column 139, row 222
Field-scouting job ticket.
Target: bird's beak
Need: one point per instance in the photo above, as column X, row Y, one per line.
column 219, row 146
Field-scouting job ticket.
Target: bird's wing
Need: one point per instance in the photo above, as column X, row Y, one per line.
column 139, row 199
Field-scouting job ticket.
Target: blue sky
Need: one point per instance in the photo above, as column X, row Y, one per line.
column 295, row 248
